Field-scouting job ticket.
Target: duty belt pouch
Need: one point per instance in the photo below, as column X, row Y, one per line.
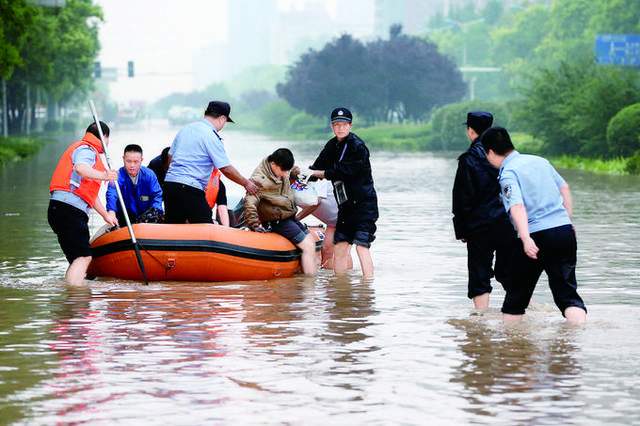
column 340, row 191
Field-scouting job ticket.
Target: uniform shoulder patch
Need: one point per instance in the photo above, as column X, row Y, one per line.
column 506, row 191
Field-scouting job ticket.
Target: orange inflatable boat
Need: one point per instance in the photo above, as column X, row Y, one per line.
column 198, row 252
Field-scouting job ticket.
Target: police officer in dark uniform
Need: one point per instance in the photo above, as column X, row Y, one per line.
column 344, row 161
column 479, row 218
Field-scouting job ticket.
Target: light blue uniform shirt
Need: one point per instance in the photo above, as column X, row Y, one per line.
column 84, row 155
column 532, row 181
column 195, row 151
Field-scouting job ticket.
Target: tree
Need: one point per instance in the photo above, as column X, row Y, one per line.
column 15, row 21
column 623, row 132
column 338, row 74
column 569, row 107
column 616, row 16
column 396, row 79
column 56, row 53
column 75, row 50
column 416, row 77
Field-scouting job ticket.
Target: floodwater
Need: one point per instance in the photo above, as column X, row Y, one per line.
column 404, row 348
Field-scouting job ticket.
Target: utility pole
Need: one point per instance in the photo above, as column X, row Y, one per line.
column 5, row 113
column 472, row 79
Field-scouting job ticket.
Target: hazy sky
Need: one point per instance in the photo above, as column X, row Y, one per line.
column 161, row 36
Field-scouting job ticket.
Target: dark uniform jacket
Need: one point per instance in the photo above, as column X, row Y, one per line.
column 158, row 168
column 476, row 194
column 354, row 170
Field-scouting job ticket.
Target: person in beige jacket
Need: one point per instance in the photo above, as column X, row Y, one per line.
column 273, row 206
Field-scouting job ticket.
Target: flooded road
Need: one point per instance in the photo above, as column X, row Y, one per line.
column 404, row 348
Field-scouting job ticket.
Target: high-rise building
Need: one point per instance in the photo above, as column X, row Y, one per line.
column 261, row 33
column 251, row 28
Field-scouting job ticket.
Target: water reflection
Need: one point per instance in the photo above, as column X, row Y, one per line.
column 519, row 373
column 348, row 303
column 25, row 358
column 272, row 314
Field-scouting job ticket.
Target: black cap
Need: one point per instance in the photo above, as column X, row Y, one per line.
column 219, row 108
column 479, row 121
column 341, row 114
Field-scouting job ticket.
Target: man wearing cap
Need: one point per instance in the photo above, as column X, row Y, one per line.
column 539, row 203
column 195, row 151
column 479, row 219
column 344, row 161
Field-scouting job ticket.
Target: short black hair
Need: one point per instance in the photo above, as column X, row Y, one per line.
column 93, row 129
column 283, row 158
column 498, row 140
column 165, row 154
column 133, row 148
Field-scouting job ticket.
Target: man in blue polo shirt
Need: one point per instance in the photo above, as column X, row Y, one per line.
column 195, row 151
column 539, row 203
column 139, row 185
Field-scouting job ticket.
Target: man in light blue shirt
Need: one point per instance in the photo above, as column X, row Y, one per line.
column 195, row 151
column 539, row 202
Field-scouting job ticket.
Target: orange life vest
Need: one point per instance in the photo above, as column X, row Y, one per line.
column 61, row 179
column 211, row 191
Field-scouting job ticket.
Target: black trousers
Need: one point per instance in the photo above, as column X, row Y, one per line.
column 500, row 239
column 557, row 257
column 71, row 226
column 185, row 204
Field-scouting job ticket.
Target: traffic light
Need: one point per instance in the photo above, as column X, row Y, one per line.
column 130, row 70
column 97, row 70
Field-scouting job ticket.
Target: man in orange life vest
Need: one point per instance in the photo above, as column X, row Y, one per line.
column 74, row 190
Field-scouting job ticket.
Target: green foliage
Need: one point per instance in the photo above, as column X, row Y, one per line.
column 623, row 131
column 307, row 125
column 6, row 154
column 614, row 166
column 14, row 148
column 448, row 133
column 280, row 119
column 275, row 115
column 513, row 45
column 15, row 22
column 55, row 52
column 527, row 144
column 396, row 137
column 384, row 80
column 569, row 107
column 616, row 16
column 633, row 164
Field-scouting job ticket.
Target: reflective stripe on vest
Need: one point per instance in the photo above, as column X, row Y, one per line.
column 61, row 179
column 211, row 191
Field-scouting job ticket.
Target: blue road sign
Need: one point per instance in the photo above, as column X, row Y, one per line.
column 618, row 49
